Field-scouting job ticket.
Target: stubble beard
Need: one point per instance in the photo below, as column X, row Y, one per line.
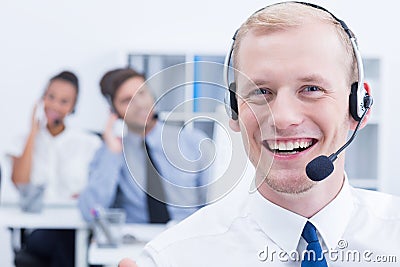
column 288, row 184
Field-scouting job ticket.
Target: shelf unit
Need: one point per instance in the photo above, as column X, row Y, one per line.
column 190, row 86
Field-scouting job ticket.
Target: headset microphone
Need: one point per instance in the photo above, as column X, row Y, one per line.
column 322, row 166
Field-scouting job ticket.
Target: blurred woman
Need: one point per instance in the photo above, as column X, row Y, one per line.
column 56, row 157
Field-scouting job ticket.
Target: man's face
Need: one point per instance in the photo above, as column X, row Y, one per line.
column 134, row 99
column 297, row 107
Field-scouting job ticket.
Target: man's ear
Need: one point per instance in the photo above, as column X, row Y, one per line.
column 234, row 124
column 365, row 120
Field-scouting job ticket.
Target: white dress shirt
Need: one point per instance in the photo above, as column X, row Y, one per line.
column 60, row 162
column 358, row 228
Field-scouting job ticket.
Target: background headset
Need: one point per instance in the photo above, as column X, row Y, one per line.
column 359, row 100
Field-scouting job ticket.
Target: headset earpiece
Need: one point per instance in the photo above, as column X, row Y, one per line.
column 359, row 101
column 233, row 101
column 353, row 101
column 368, row 101
column 231, row 105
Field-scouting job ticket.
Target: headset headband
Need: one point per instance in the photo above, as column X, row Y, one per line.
column 359, row 91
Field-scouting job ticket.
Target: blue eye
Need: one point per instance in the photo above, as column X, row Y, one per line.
column 259, row 96
column 261, row 91
column 312, row 89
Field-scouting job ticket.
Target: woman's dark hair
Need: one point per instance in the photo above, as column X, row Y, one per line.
column 113, row 79
column 68, row 77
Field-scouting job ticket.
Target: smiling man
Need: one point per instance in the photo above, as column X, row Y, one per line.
column 302, row 65
column 292, row 83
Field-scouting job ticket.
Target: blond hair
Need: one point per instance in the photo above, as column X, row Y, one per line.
column 290, row 14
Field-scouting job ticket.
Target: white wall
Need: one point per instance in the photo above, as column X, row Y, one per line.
column 40, row 38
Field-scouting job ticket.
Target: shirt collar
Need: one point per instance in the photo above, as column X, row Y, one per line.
column 152, row 138
column 47, row 133
column 333, row 219
column 284, row 227
column 132, row 138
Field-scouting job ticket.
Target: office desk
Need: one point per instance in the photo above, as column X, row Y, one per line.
column 111, row 256
column 51, row 217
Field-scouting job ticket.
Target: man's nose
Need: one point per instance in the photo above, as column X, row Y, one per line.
column 286, row 111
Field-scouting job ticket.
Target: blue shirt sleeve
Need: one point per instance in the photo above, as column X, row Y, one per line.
column 103, row 181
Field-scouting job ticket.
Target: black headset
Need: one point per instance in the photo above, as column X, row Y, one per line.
column 359, row 99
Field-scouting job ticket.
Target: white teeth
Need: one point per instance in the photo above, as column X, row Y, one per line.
column 288, row 145
column 275, row 145
column 282, row 146
column 296, row 145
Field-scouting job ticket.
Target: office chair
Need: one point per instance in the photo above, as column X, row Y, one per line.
column 23, row 258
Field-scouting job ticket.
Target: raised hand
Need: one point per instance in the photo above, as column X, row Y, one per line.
column 113, row 142
column 127, row 263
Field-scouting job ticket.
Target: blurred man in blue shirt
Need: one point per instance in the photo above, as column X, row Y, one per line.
column 118, row 173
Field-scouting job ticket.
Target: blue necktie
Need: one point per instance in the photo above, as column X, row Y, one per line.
column 314, row 257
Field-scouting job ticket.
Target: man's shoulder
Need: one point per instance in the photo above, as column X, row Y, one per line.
column 378, row 204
